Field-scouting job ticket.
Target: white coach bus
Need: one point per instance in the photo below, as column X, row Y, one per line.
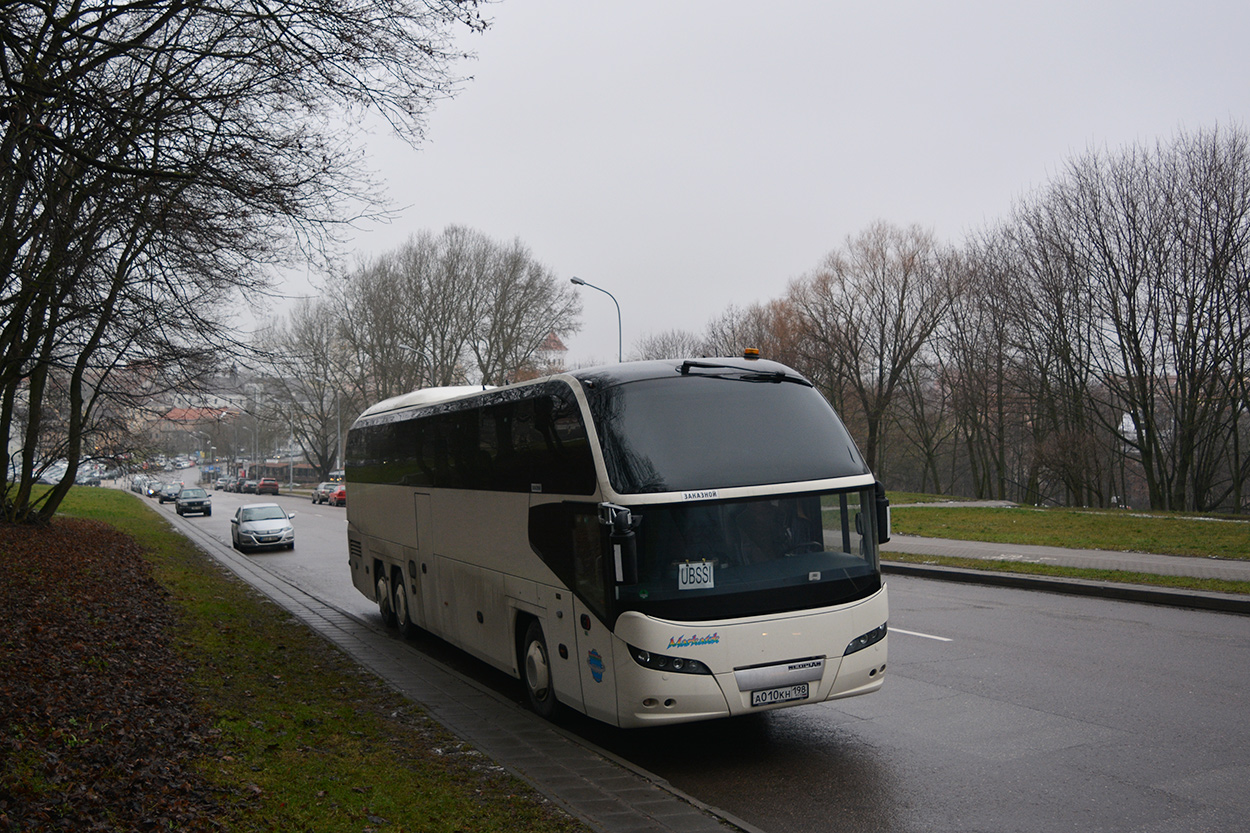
column 648, row 542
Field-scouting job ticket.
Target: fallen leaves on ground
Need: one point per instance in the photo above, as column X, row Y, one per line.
column 97, row 729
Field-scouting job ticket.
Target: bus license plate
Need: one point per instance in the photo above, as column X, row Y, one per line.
column 768, row 696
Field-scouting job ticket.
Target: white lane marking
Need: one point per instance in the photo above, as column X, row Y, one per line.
column 921, row 635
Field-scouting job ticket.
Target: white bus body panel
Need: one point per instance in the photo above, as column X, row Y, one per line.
column 768, row 646
column 486, row 568
column 597, row 654
column 560, row 627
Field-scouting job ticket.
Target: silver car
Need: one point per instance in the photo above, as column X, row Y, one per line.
column 262, row 525
column 322, row 493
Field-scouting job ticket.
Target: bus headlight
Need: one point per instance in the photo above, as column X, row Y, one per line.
column 659, row 662
column 859, row 643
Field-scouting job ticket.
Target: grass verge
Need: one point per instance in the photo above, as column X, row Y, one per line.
column 1118, row 531
column 306, row 740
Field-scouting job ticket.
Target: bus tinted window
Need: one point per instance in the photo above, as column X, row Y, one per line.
column 750, row 557
column 523, row 440
column 691, row 432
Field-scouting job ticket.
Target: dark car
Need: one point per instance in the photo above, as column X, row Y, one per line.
column 247, row 487
column 322, row 493
column 169, row 492
column 267, row 486
column 194, row 499
column 339, row 496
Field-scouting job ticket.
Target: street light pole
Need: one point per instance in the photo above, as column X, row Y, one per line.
column 620, row 351
column 248, row 470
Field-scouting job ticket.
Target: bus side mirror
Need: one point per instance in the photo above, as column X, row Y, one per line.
column 883, row 515
column 624, row 547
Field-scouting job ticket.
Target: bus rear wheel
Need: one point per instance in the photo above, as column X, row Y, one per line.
column 402, row 606
column 537, row 671
column 385, row 606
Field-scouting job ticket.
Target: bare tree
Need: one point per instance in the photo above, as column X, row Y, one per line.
column 309, row 372
column 670, row 344
column 448, row 309
column 873, row 305
column 520, row 304
column 159, row 157
column 1160, row 232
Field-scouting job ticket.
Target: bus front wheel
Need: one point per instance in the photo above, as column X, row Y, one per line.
column 538, row 672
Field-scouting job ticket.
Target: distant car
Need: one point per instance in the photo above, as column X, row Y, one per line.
column 267, row 486
column 260, row 526
column 219, row 484
column 169, row 492
column 339, row 496
column 194, row 499
column 322, row 493
column 152, row 488
column 247, row 487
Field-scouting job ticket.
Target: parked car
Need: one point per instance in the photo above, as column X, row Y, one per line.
column 220, row 484
column 152, row 488
column 322, row 493
column 247, row 487
column 169, row 492
column 194, row 499
column 339, row 496
column 267, row 486
column 262, row 525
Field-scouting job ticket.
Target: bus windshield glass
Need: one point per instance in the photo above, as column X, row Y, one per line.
column 728, row 559
column 694, row 432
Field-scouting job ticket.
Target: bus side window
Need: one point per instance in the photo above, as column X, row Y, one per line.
column 588, row 565
column 570, row 540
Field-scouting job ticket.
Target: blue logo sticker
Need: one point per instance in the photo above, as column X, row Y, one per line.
column 595, row 661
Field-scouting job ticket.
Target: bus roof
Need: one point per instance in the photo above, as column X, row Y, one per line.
column 658, row 368
column 424, row 396
column 601, row 376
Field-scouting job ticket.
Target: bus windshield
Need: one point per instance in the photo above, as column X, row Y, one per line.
column 692, row 432
column 728, row 559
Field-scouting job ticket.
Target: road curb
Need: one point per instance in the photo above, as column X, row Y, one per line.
column 1198, row 599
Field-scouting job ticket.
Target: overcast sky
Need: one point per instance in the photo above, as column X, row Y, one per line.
column 687, row 155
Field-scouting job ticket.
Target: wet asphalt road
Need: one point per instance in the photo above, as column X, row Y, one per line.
column 1003, row 710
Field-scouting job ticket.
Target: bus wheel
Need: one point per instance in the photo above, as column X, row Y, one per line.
column 538, row 672
column 402, row 606
column 385, row 606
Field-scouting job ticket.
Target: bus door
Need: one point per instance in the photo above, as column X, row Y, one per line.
column 594, row 655
column 594, row 640
column 560, row 630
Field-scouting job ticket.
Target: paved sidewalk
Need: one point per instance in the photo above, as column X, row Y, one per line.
column 1171, row 565
column 606, row 793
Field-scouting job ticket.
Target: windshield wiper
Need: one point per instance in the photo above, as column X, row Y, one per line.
column 742, row 374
